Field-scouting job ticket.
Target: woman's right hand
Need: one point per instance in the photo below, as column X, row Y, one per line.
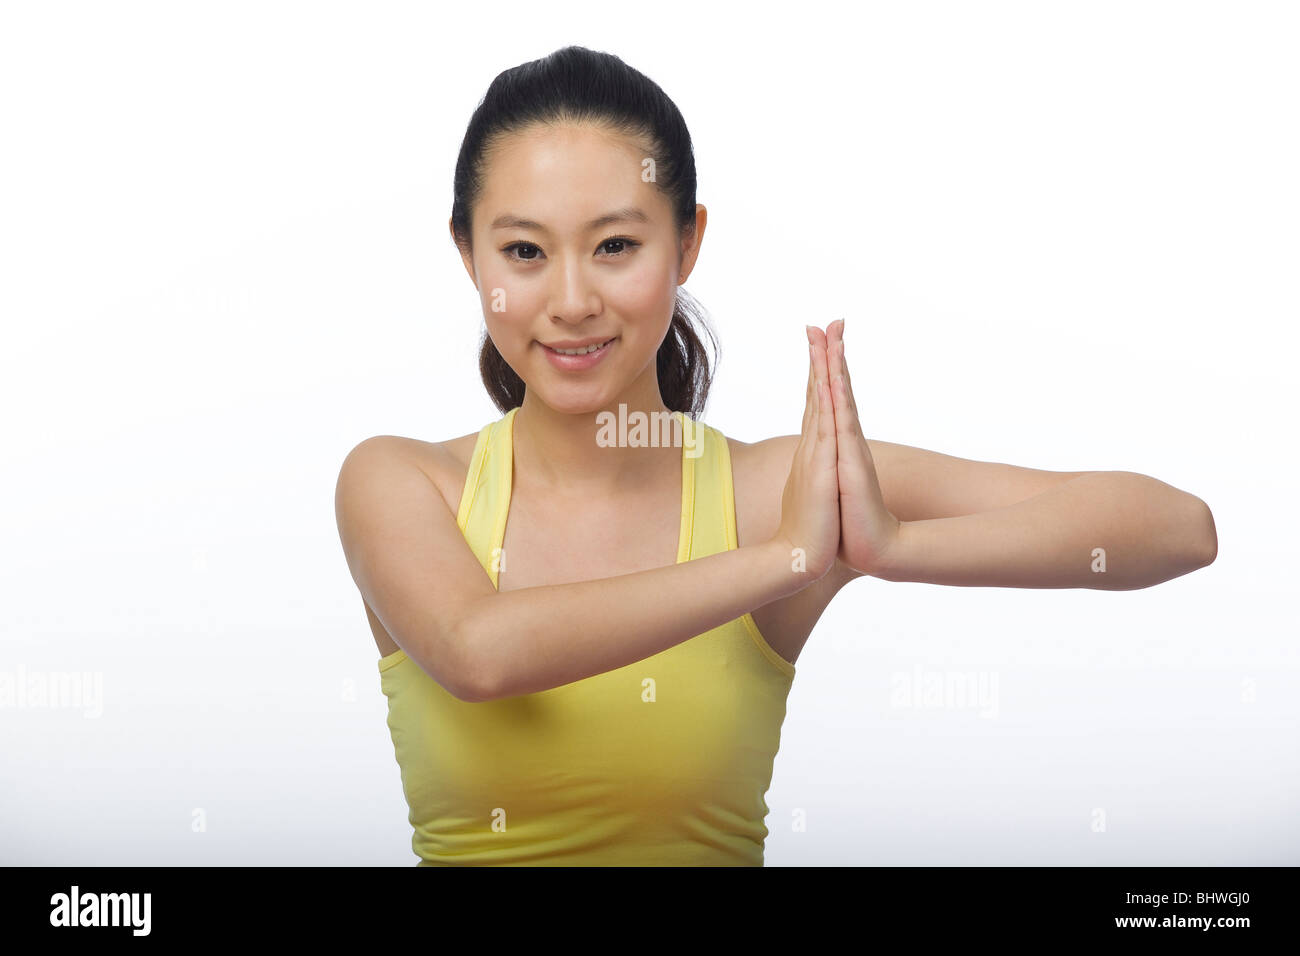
column 810, row 505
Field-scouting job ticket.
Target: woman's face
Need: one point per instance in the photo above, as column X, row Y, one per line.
column 572, row 246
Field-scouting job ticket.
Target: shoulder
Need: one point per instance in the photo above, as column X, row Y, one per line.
column 382, row 479
column 761, row 462
column 759, row 471
column 444, row 463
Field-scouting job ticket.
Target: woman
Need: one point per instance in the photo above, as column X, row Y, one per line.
column 612, row 689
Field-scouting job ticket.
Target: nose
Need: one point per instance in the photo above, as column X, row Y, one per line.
column 573, row 297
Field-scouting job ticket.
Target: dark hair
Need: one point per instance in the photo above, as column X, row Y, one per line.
column 575, row 84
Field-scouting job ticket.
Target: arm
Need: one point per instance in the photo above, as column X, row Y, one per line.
column 409, row 560
column 1148, row 532
column 537, row 638
column 420, row 578
column 943, row 520
column 417, row 573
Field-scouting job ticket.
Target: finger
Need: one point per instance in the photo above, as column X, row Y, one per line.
column 861, row 500
column 808, row 440
column 822, row 358
column 855, row 464
column 848, row 381
column 817, row 336
column 810, row 394
column 825, row 455
column 834, row 338
column 826, row 412
column 847, row 427
column 826, row 424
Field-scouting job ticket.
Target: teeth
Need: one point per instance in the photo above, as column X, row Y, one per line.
column 589, row 348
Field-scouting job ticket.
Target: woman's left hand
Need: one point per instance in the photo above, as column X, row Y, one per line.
column 867, row 528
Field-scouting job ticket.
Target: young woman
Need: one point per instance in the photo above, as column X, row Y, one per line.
column 588, row 632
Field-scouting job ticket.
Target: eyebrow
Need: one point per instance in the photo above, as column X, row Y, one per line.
column 626, row 214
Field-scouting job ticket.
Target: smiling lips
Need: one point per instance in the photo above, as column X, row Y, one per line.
column 578, row 347
column 576, row 356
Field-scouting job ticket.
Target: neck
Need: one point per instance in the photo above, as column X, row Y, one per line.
column 597, row 452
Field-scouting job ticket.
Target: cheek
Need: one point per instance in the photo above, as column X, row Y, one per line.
column 502, row 294
column 509, row 304
column 645, row 291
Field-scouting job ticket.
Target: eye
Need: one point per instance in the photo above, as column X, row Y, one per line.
column 520, row 245
column 630, row 244
column 529, row 252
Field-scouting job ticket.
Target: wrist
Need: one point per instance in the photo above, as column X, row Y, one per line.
column 892, row 563
column 787, row 565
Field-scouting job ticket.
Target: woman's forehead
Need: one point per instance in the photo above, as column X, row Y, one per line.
column 567, row 179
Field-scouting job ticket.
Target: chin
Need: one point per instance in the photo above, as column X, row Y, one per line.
column 573, row 401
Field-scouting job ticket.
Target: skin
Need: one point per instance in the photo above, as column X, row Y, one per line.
column 592, row 531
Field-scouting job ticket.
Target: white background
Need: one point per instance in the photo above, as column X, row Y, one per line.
column 1062, row 235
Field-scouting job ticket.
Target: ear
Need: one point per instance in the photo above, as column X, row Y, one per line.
column 466, row 257
column 691, row 243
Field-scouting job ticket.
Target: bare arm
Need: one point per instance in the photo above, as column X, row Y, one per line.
column 412, row 565
column 1106, row 530
column 418, row 574
column 536, row 638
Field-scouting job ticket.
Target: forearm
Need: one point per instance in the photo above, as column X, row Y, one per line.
column 533, row 639
column 1139, row 529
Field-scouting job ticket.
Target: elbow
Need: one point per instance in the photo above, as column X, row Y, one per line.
column 477, row 679
column 469, row 685
column 467, row 689
column 1205, row 546
column 474, row 687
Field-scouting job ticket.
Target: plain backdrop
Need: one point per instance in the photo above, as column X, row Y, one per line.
column 1062, row 235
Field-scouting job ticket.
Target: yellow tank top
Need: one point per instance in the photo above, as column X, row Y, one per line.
column 663, row 762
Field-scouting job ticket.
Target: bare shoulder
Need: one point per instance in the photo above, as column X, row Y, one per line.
column 759, row 471
column 444, row 463
column 761, row 458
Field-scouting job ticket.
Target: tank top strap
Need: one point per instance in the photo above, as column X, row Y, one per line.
column 485, row 499
column 712, row 505
column 708, row 495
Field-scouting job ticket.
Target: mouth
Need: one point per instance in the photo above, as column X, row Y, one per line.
column 579, row 357
column 579, row 350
